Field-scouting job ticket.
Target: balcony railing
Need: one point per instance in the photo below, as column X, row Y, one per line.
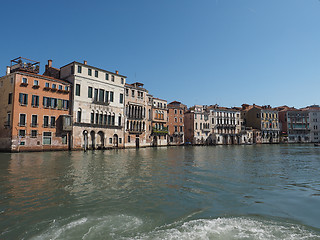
column 33, row 124
column 164, row 130
column 100, row 102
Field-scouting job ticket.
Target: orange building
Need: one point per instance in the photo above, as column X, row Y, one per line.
column 176, row 122
column 35, row 109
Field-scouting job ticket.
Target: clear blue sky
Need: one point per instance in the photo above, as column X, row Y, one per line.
column 199, row 52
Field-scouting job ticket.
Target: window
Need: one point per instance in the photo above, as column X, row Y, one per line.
column 127, row 92
column 101, row 95
column 22, row 133
column 52, row 121
column 97, row 118
column 92, row 118
column 122, row 80
column 35, row 101
column 176, row 128
column 89, row 71
column 112, row 120
column 181, row 129
column 111, row 96
column 175, row 111
column 180, row 111
column 107, row 76
column 132, row 93
column 66, row 88
column 65, row 104
column 47, row 85
column 79, row 116
column 120, row 140
column 24, row 80
column 46, row 138
column 72, row 69
column 77, row 89
column 121, row 98
column 119, row 120
column 79, row 69
column 64, row 139
column 45, row 121
column 10, row 98
column 22, row 119
column 96, row 74
column 8, row 123
column 107, row 97
column 60, row 87
column 35, row 83
column 23, row 99
column 95, row 98
column 89, row 92
column 112, row 78
column 128, row 138
column 175, row 119
column 54, row 86
column 34, row 120
column 110, row 140
column 46, row 102
column 34, row 133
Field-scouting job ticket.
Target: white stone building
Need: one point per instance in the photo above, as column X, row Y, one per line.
column 97, row 106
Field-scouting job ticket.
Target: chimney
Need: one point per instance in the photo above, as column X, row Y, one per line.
column 50, row 63
column 85, row 62
column 117, row 72
column 8, row 70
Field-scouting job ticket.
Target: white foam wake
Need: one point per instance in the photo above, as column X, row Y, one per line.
column 232, row 228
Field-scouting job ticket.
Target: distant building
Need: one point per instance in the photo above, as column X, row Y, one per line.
column 264, row 119
column 34, row 109
column 176, row 122
column 197, row 125
column 159, row 122
column 225, row 124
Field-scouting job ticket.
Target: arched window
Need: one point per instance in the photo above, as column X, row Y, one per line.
column 79, row 113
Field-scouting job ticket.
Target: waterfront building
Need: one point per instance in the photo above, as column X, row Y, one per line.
column 97, row 106
column 35, row 109
column 137, row 121
column 225, row 125
column 294, row 125
column 263, row 118
column 176, row 122
column 314, row 120
column 197, row 125
column 159, row 131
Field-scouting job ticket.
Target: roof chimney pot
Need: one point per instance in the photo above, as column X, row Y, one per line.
column 117, row 72
column 50, row 63
column 8, row 70
column 85, row 62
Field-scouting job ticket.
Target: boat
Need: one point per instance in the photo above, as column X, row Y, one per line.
column 317, row 144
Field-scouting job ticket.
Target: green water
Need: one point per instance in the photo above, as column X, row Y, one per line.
column 222, row 192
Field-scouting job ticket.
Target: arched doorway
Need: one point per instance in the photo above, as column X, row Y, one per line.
column 100, row 140
column 93, row 139
column 115, row 140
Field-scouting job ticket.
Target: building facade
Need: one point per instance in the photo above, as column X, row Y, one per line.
column 137, row 123
column 159, row 132
column 225, row 125
column 35, row 109
column 263, row 118
column 197, row 125
column 97, row 106
column 176, row 122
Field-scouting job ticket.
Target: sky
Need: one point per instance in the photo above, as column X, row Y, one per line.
column 225, row 52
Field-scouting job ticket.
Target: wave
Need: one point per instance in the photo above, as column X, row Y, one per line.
column 233, row 228
column 129, row 227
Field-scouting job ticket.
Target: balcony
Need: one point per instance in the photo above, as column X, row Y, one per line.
column 35, row 86
column 135, row 131
column 100, row 102
column 162, row 131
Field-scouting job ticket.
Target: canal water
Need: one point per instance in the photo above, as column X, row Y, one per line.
column 222, row 192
